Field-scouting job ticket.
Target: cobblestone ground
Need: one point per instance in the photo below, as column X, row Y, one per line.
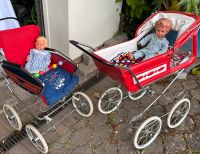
column 110, row 134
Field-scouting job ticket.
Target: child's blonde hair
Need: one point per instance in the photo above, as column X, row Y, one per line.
column 164, row 23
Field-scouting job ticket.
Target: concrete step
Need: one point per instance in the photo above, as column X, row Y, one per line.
column 85, row 72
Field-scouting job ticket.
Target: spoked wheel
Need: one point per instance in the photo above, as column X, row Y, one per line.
column 147, row 132
column 12, row 116
column 137, row 95
column 110, row 100
column 36, row 138
column 178, row 113
column 82, row 104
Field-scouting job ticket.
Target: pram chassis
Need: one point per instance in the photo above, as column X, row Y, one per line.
column 80, row 101
column 147, row 132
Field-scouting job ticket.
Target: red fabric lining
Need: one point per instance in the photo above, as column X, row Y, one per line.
column 16, row 43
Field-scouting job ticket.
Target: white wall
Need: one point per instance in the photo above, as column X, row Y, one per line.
column 56, row 24
column 92, row 22
column 87, row 21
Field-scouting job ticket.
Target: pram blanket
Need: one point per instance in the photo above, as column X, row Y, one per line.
column 123, row 61
column 58, row 84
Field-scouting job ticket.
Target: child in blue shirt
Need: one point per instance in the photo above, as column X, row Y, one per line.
column 39, row 58
column 157, row 41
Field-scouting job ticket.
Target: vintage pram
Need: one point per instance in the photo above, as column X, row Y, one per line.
column 53, row 88
column 136, row 78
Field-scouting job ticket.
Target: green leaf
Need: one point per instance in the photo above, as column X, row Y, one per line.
column 118, row 1
column 131, row 3
column 132, row 12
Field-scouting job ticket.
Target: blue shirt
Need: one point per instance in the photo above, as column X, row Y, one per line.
column 156, row 45
column 39, row 61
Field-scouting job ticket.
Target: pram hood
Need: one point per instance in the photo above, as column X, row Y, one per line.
column 183, row 23
column 16, row 43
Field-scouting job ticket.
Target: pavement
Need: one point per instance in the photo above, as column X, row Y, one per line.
column 109, row 134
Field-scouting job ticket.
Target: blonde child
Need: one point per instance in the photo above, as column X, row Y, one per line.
column 39, row 58
column 157, row 43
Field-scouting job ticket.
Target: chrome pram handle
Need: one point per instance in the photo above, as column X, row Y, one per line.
column 81, row 45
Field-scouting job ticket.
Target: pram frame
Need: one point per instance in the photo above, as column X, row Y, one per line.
column 148, row 122
column 46, row 117
column 182, row 106
column 13, row 116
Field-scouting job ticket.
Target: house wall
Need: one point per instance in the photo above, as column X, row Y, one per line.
column 87, row 21
column 92, row 22
column 56, row 24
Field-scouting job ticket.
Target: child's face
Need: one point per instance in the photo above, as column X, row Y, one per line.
column 40, row 44
column 162, row 27
column 161, row 32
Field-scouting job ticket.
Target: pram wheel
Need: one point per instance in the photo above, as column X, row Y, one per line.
column 147, row 132
column 137, row 95
column 82, row 104
column 12, row 116
column 110, row 100
column 178, row 113
column 36, row 138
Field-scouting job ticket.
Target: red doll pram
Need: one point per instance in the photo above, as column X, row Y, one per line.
column 55, row 86
column 181, row 54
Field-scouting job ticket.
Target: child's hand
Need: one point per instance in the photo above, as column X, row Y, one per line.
column 139, row 44
column 28, row 58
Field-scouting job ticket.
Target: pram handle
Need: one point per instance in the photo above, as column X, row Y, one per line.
column 79, row 45
column 63, row 55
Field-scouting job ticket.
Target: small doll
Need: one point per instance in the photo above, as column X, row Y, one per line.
column 39, row 58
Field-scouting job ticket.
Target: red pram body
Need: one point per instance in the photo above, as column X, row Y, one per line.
column 184, row 32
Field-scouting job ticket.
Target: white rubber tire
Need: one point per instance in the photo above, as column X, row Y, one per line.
column 143, row 92
column 116, row 89
column 15, row 115
column 173, row 110
column 146, row 123
column 91, row 108
column 31, row 129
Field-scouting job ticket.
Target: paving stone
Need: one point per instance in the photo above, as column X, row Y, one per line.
column 106, row 148
column 62, row 142
column 28, row 145
column 62, row 150
column 190, row 84
column 167, row 98
column 175, row 144
column 123, row 132
column 176, row 86
column 86, row 149
column 194, row 141
column 100, row 134
column 80, row 136
column 188, row 125
column 156, row 110
column 196, row 120
column 195, row 94
column 194, row 107
column 98, row 119
column 22, row 149
column 5, row 127
column 156, row 147
column 127, row 148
